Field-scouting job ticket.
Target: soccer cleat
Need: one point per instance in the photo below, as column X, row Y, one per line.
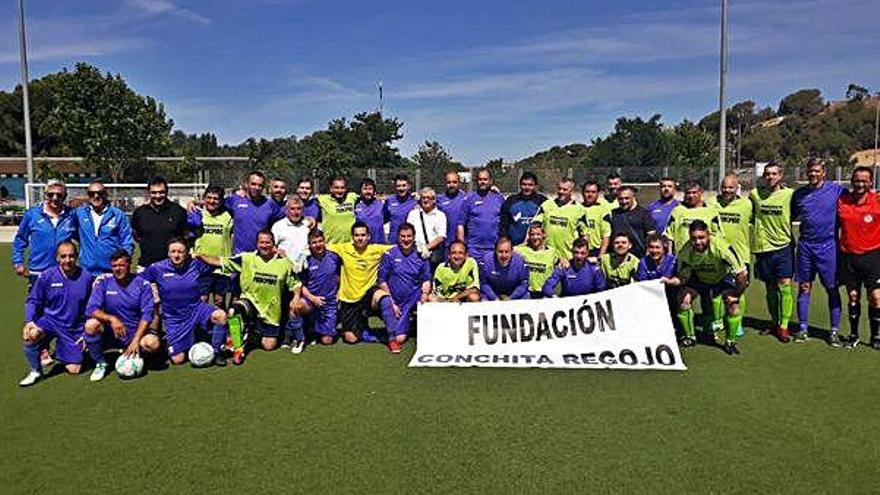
column 32, row 377
column 238, row 357
column 98, row 373
column 851, row 342
column 783, row 335
column 687, row 342
column 800, row 337
column 298, row 347
column 731, row 349
column 219, row 359
column 395, row 347
column 834, row 340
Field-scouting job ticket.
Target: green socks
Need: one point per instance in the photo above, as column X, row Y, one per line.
column 772, row 297
column 686, row 318
column 235, row 331
column 732, row 325
column 786, row 305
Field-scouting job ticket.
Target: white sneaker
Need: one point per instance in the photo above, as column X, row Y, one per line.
column 98, row 373
column 297, row 347
column 31, row 378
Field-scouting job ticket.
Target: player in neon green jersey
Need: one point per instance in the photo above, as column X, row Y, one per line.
column 736, row 216
column 458, row 279
column 597, row 221
column 337, row 212
column 708, row 268
column 613, row 183
column 561, row 217
column 619, row 266
column 773, row 247
column 692, row 208
column 540, row 260
column 212, row 224
column 264, row 275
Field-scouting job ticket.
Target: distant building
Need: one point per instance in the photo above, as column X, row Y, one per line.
column 13, row 174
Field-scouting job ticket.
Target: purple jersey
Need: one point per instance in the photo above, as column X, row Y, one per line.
column 396, row 209
column 649, row 269
column 511, row 280
column 178, row 286
column 660, row 212
column 816, row 209
column 131, row 303
column 404, row 274
column 453, row 208
column 57, row 302
column 250, row 217
column 481, row 217
column 312, row 209
column 321, row 275
column 373, row 215
column 575, row 281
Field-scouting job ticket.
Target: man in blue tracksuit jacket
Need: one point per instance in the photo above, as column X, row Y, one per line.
column 42, row 228
column 520, row 209
column 103, row 229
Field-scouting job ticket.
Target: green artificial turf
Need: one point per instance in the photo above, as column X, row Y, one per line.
column 777, row 419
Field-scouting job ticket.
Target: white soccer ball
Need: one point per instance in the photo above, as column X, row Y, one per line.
column 201, row 354
column 129, row 366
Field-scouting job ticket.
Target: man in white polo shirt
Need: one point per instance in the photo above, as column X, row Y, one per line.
column 430, row 226
column 291, row 233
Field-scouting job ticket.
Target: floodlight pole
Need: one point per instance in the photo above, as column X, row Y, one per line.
column 876, row 140
column 24, row 94
column 722, row 101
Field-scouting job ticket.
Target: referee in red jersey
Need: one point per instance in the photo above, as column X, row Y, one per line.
column 858, row 212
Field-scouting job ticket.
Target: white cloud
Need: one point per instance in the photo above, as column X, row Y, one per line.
column 160, row 7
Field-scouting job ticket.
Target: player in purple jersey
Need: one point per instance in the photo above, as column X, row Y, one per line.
column 481, row 217
column 579, row 278
column 311, row 209
column 320, row 279
column 657, row 264
column 815, row 206
column 371, row 211
column 662, row 208
column 278, row 191
column 451, row 203
column 251, row 214
column 119, row 313
column 404, row 281
column 55, row 309
column 503, row 273
column 398, row 206
column 177, row 280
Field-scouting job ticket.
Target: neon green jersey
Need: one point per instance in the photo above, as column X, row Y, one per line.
column 539, row 263
column 596, row 225
column 772, row 219
column 215, row 235
column 710, row 266
column 736, row 224
column 618, row 274
column 263, row 282
column 608, row 206
column 561, row 224
column 449, row 282
column 337, row 217
column 680, row 221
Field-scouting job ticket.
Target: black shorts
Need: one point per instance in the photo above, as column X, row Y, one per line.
column 355, row 316
column 855, row 270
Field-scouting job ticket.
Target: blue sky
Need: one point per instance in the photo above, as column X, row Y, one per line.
column 486, row 78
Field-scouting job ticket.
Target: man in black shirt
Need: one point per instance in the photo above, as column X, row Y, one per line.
column 632, row 219
column 519, row 209
column 156, row 222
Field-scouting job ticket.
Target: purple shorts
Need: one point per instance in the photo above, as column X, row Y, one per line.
column 69, row 344
column 181, row 334
column 321, row 320
column 397, row 326
column 813, row 259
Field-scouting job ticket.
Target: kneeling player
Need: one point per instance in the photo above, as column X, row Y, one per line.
column 320, row 284
column 620, row 265
column 404, row 281
column 457, row 280
column 579, row 278
column 709, row 268
column 503, row 273
column 264, row 277
column 183, row 311
column 120, row 309
column 54, row 310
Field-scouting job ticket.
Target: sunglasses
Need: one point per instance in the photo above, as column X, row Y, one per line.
column 96, row 194
column 52, row 195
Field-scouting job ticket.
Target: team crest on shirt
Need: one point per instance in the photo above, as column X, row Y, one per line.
column 112, row 293
column 56, row 284
column 868, row 218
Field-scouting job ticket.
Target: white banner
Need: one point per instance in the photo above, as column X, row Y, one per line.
column 624, row 328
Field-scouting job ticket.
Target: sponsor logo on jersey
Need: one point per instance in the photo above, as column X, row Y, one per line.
column 869, row 218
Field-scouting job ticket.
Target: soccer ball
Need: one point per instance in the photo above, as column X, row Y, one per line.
column 129, row 366
column 201, row 354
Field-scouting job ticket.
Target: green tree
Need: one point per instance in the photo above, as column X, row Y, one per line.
column 634, row 142
column 690, row 146
column 803, row 103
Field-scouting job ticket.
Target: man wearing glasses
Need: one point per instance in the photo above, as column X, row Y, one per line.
column 157, row 222
column 103, row 230
column 42, row 229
